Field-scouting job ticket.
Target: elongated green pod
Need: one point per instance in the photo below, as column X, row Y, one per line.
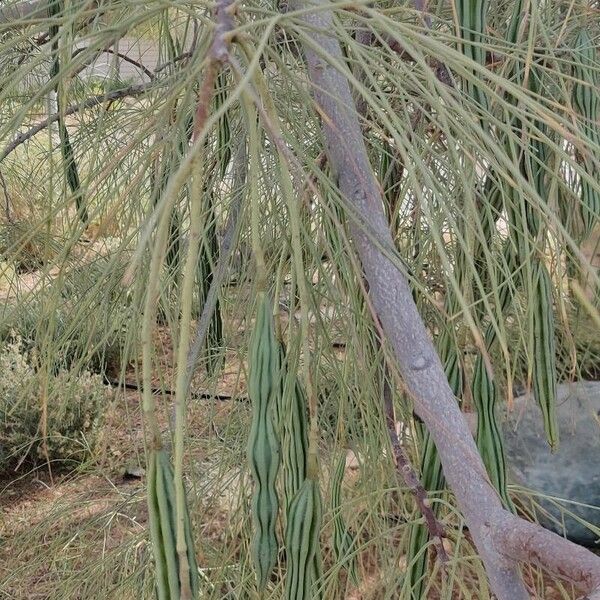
column 535, row 163
column 156, row 534
column 489, row 438
column 263, row 444
column 207, row 260
column 544, row 359
column 162, row 517
column 343, row 542
column 586, row 100
column 167, row 471
column 292, row 420
column 167, row 523
column 302, row 541
column 472, row 16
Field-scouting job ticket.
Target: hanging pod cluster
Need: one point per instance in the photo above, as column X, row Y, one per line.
column 489, row 436
column 472, row 15
column 263, row 444
column 279, row 437
column 303, row 505
column 586, row 100
column 162, row 516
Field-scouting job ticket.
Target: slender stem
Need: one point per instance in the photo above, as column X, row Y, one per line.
column 408, row 475
column 225, row 250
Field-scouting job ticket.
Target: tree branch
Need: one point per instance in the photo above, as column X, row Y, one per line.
column 417, row 359
column 108, row 50
column 131, row 91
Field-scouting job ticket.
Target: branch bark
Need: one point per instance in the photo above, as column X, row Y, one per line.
column 501, row 538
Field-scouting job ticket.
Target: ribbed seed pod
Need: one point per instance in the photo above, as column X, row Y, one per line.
column 156, row 534
column 538, row 156
column 343, row 542
column 586, row 100
column 544, row 359
column 489, row 439
column 209, row 251
column 162, row 516
column 263, row 445
column 302, row 542
column 472, row 15
column 294, row 425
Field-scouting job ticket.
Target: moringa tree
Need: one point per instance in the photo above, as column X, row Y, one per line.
column 415, row 181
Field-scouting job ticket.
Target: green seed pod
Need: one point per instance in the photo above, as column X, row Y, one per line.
column 489, row 438
column 263, row 445
column 343, row 542
column 302, row 542
column 162, row 517
column 209, row 251
column 156, row 535
column 293, row 422
column 544, row 360
column 586, row 100
column 472, row 16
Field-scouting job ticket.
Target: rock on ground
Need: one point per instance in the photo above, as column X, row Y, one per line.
column 571, row 473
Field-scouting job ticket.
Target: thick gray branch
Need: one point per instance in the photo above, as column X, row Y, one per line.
column 417, row 359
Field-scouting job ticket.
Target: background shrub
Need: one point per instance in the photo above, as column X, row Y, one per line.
column 75, row 403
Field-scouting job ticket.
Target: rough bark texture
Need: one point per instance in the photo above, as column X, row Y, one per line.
column 501, row 538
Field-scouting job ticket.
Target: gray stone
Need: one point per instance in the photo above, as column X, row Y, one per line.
column 571, row 473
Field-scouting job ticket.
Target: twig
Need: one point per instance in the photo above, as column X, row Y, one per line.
column 421, row 6
column 218, row 56
column 131, row 91
column 7, row 197
column 407, row 473
column 109, row 50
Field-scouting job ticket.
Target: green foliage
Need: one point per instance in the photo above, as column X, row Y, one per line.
column 488, row 164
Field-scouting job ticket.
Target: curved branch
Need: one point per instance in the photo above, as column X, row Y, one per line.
column 131, row 91
column 108, row 50
column 417, row 359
